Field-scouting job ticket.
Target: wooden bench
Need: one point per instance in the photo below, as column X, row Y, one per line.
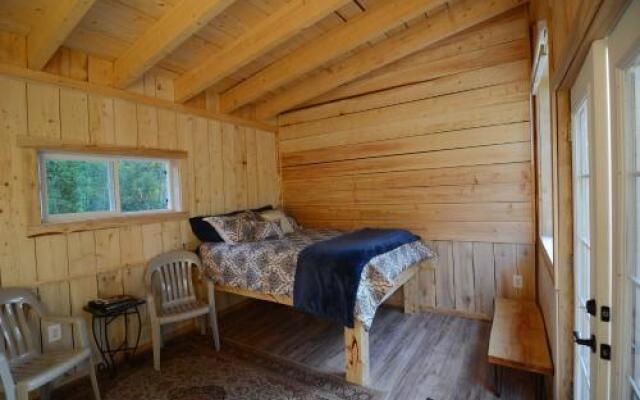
column 518, row 340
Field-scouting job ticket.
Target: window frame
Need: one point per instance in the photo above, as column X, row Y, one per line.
column 115, row 210
column 540, row 73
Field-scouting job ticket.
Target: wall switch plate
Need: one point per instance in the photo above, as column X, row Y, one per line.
column 517, row 281
column 55, row 332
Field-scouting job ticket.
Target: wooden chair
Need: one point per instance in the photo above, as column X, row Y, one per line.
column 177, row 298
column 23, row 366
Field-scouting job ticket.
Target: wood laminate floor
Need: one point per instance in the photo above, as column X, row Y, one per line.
column 413, row 356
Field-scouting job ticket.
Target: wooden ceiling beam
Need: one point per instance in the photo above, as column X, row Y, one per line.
column 164, row 36
column 329, row 46
column 50, row 31
column 286, row 22
column 456, row 18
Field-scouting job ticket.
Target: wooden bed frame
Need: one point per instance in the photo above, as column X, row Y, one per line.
column 356, row 339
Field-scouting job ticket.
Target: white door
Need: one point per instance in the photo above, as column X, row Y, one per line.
column 591, row 202
column 624, row 67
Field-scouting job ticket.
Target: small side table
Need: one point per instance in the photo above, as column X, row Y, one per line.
column 101, row 319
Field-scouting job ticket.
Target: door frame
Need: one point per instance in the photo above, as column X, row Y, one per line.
column 592, row 84
column 624, row 45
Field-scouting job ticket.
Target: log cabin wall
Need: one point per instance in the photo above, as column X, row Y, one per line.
column 438, row 143
column 228, row 167
column 572, row 27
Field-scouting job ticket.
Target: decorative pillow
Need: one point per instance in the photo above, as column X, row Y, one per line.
column 264, row 230
column 205, row 232
column 234, row 228
column 294, row 224
column 287, row 223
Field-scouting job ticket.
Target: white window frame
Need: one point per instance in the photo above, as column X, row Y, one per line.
column 115, row 210
column 540, row 71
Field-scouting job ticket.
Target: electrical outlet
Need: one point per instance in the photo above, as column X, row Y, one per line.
column 517, row 281
column 55, row 332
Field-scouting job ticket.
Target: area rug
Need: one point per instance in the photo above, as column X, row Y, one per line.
column 192, row 370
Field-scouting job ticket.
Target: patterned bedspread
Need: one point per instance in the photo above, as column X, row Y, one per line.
column 269, row 267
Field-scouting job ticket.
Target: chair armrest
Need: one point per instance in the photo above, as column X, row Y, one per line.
column 79, row 323
column 151, row 306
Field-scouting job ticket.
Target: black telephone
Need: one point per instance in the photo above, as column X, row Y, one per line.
column 111, row 303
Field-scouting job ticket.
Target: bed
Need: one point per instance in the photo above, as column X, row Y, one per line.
column 266, row 270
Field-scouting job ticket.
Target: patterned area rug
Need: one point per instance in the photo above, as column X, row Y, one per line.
column 192, row 370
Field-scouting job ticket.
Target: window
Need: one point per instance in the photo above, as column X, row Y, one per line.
column 79, row 186
column 582, row 244
column 632, row 88
column 542, row 107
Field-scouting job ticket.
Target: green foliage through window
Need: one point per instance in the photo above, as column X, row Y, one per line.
column 143, row 185
column 76, row 185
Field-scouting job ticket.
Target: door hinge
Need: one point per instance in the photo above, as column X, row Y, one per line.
column 605, row 351
column 605, row 313
column 591, row 307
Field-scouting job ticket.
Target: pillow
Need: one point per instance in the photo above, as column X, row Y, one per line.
column 294, row 224
column 265, row 230
column 234, row 228
column 287, row 223
column 205, row 232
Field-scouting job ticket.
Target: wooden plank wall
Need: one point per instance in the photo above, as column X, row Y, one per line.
column 572, row 26
column 438, row 143
column 67, row 270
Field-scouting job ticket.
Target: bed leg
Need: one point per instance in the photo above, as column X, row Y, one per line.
column 356, row 350
column 411, row 293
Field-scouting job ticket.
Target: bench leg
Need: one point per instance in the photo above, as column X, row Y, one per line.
column 356, row 349
column 539, row 386
column 497, row 379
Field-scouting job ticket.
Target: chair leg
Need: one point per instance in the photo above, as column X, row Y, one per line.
column 156, row 338
column 45, row 391
column 213, row 320
column 94, row 380
column 10, row 394
column 202, row 321
column 8, row 386
column 22, row 393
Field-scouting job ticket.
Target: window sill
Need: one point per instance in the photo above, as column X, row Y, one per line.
column 547, row 247
column 103, row 223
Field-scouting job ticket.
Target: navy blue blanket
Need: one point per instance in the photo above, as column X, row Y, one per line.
column 328, row 272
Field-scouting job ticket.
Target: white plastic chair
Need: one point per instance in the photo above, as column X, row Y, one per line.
column 177, row 297
column 23, row 366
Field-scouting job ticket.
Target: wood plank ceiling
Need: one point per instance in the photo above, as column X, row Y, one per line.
column 246, row 54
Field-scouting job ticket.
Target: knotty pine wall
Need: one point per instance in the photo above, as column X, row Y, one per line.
column 229, row 167
column 438, row 143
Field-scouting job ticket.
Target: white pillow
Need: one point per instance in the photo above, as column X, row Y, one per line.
column 277, row 215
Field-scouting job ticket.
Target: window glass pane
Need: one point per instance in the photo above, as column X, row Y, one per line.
column 77, row 186
column 582, row 266
column 543, row 122
column 143, row 185
column 636, row 110
column 635, row 338
column 633, row 233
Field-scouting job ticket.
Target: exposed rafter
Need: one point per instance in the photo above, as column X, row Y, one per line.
column 53, row 28
column 456, row 18
column 164, row 36
column 334, row 43
column 274, row 30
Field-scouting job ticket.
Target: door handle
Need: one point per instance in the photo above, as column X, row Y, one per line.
column 591, row 342
column 591, row 307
